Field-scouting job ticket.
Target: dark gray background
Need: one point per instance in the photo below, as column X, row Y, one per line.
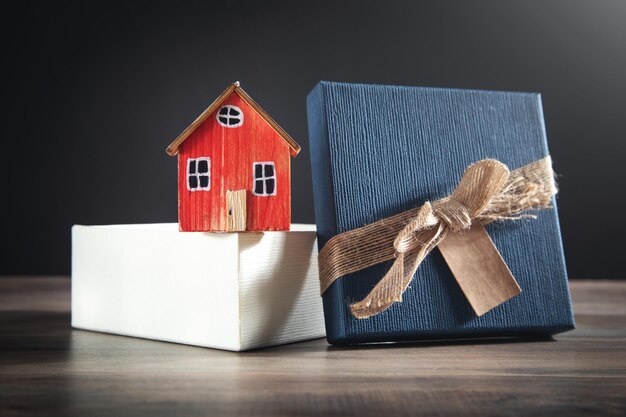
column 93, row 93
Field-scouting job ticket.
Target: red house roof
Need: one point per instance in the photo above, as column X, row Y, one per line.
column 172, row 149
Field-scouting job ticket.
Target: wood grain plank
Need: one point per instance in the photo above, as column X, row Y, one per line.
column 236, row 210
column 46, row 368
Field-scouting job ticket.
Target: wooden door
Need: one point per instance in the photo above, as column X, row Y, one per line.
column 236, row 211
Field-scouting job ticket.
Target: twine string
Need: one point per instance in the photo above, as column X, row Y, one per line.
column 487, row 192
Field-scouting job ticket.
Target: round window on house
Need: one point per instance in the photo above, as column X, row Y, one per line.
column 230, row 116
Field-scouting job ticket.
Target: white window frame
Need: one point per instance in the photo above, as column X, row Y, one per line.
column 198, row 174
column 229, row 116
column 263, row 178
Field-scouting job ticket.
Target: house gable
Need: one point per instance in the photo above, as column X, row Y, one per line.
column 234, row 88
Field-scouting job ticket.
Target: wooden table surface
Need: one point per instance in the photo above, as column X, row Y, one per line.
column 46, row 368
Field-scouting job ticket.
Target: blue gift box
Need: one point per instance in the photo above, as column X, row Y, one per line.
column 379, row 150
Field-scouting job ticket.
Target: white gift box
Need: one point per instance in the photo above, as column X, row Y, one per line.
column 234, row 291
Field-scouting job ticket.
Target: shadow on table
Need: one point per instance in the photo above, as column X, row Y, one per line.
column 446, row 342
column 34, row 336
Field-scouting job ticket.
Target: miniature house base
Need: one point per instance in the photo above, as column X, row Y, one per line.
column 233, row 291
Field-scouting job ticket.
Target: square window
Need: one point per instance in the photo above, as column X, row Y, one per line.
column 264, row 180
column 199, row 174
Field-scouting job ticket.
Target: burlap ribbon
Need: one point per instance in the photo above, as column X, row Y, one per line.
column 487, row 192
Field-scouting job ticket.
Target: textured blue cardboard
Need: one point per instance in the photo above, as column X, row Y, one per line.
column 379, row 150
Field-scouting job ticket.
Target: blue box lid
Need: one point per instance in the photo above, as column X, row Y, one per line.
column 379, row 150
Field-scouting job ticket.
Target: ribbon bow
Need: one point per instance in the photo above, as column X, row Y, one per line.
column 487, row 192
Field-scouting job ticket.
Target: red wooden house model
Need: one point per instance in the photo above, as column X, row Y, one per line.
column 234, row 168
